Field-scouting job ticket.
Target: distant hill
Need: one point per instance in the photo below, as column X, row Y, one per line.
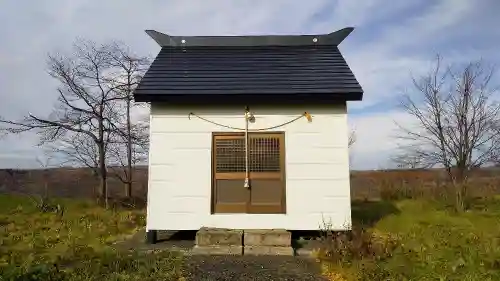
column 67, row 182
column 82, row 183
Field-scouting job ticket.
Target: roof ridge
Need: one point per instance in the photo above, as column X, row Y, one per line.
column 333, row 38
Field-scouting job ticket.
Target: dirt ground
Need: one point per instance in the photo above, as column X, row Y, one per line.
column 205, row 267
column 251, row 268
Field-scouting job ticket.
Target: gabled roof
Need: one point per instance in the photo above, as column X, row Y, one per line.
column 249, row 69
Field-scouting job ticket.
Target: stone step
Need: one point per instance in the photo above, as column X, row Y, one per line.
column 218, row 241
column 267, row 237
column 219, row 237
column 268, row 250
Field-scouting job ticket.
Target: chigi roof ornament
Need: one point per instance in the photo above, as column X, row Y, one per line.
column 334, row 38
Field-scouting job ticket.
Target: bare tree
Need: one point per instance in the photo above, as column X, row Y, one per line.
column 350, row 142
column 42, row 201
column 126, row 151
column 352, row 138
column 456, row 122
column 76, row 150
column 86, row 93
column 133, row 138
column 403, row 161
column 45, row 164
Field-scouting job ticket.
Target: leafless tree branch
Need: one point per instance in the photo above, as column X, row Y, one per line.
column 85, row 115
column 456, row 122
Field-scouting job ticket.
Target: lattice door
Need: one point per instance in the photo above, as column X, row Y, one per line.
column 266, row 164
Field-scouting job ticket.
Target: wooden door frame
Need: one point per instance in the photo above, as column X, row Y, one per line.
column 281, row 135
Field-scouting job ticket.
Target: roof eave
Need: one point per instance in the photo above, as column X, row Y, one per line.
column 334, row 38
column 268, row 99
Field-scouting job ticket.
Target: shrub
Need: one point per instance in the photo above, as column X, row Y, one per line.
column 346, row 246
column 45, row 205
column 356, row 254
column 418, row 183
column 435, row 191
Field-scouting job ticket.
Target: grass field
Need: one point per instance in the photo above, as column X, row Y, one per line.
column 408, row 232
column 78, row 240
column 429, row 242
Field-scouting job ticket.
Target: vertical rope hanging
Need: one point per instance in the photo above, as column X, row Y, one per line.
column 247, row 170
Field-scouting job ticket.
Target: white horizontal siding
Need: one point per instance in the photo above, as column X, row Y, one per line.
column 317, row 174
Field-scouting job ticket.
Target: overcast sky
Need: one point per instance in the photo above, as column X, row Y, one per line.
column 390, row 42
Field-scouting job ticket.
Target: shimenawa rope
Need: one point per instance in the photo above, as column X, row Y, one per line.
column 305, row 114
column 246, row 129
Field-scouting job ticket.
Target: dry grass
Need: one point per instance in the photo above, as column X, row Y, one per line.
column 67, row 182
column 399, row 184
column 28, row 235
column 81, row 183
column 405, row 228
column 78, row 239
column 401, row 216
column 422, row 240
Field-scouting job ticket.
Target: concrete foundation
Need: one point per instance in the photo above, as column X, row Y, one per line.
column 267, row 237
column 268, row 250
column 216, row 241
column 219, row 237
column 267, row 242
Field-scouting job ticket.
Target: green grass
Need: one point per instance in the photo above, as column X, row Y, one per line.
column 434, row 242
column 79, row 240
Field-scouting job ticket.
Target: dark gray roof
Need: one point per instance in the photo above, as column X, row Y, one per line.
column 310, row 66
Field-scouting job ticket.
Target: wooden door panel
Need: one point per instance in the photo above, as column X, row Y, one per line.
column 266, row 196
column 267, row 182
column 230, row 196
column 229, row 154
column 265, row 153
